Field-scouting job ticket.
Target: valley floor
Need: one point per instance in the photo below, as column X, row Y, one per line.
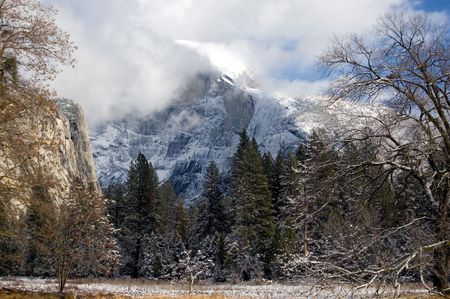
column 126, row 288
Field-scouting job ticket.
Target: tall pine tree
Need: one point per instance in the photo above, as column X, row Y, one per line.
column 254, row 225
column 142, row 213
column 211, row 216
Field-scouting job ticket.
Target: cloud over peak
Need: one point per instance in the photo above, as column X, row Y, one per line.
column 128, row 59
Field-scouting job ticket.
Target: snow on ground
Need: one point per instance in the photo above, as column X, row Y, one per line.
column 155, row 288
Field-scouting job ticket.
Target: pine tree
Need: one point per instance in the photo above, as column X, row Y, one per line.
column 275, row 182
column 313, row 189
column 268, row 164
column 155, row 259
column 116, row 207
column 211, row 218
column 168, row 203
column 290, row 185
column 181, row 221
column 254, row 217
column 142, row 204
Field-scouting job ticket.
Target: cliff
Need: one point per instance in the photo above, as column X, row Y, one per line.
column 75, row 148
column 43, row 143
column 204, row 124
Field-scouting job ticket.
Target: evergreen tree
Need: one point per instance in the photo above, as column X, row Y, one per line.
column 169, row 204
column 268, row 165
column 275, row 183
column 181, row 221
column 116, row 207
column 308, row 192
column 142, row 213
column 211, row 218
column 156, row 258
column 254, row 217
column 290, row 185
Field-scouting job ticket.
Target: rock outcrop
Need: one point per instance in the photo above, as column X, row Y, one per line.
column 76, row 152
column 202, row 126
column 48, row 146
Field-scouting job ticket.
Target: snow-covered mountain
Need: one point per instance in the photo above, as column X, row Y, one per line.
column 204, row 124
column 181, row 140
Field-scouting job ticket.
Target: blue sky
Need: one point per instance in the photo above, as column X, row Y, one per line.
column 129, row 48
column 434, row 5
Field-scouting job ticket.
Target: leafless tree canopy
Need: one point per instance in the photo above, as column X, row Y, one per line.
column 406, row 66
column 31, row 43
column 408, row 63
column 32, row 48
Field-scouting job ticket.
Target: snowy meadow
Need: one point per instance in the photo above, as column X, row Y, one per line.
column 140, row 288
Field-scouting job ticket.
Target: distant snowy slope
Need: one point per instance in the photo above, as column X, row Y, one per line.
column 203, row 124
column 181, row 140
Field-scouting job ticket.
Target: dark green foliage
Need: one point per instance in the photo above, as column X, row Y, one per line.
column 116, row 208
column 211, row 217
column 168, row 204
column 211, row 225
column 290, row 185
column 141, row 213
column 181, row 221
column 174, row 218
column 254, row 224
column 161, row 248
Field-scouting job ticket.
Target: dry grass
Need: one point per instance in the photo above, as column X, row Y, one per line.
column 20, row 288
column 423, row 297
column 18, row 294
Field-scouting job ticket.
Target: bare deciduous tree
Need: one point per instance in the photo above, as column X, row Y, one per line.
column 84, row 243
column 407, row 66
column 32, row 48
column 31, row 42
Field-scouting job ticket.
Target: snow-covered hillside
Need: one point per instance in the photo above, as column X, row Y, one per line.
column 204, row 124
column 181, row 140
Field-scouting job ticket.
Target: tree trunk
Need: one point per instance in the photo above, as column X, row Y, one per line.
column 191, row 284
column 136, row 259
column 440, row 269
column 441, row 255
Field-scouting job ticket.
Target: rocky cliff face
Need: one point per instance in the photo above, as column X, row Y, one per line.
column 75, row 148
column 49, row 147
column 203, row 126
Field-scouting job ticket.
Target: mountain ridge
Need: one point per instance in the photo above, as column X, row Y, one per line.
column 182, row 139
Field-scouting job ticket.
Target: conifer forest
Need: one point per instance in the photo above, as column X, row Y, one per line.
column 207, row 175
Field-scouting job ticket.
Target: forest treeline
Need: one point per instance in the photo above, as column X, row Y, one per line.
column 366, row 204
column 303, row 214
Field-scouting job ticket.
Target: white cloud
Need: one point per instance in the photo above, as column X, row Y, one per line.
column 127, row 57
column 122, row 65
